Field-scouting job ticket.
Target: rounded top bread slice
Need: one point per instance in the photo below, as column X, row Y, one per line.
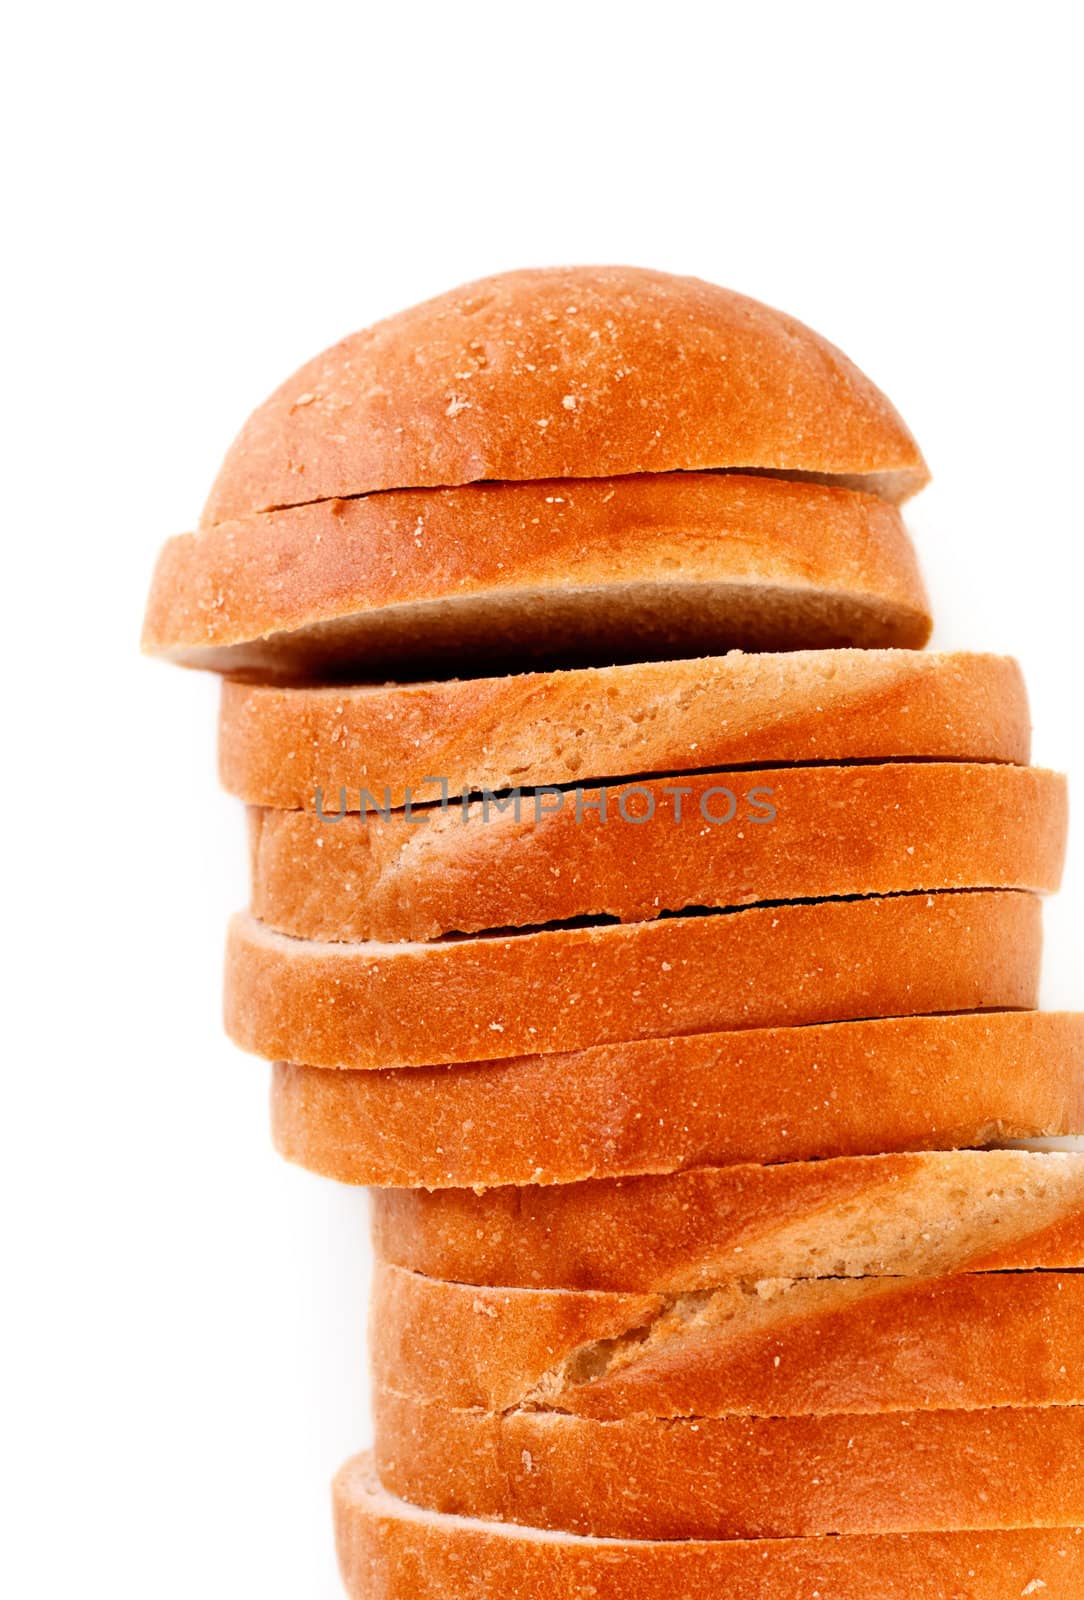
column 566, row 372
column 391, row 1550
column 297, row 748
column 551, row 573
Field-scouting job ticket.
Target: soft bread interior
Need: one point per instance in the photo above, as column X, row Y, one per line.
column 947, row 1211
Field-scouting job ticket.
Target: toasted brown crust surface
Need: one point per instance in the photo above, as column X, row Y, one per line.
column 389, row 1550
column 633, row 852
column 737, row 1477
column 278, row 746
column 773, row 1348
column 566, row 372
column 605, row 569
column 913, row 1215
column 655, row 1105
column 383, row 1005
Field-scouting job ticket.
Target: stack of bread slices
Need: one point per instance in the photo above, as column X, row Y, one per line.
column 654, row 925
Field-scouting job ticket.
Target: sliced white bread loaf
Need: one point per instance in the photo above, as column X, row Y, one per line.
column 391, row 1005
column 389, row 1550
column 737, row 1477
column 278, row 746
column 632, row 852
column 780, row 1347
column 596, row 569
column 917, row 1215
column 654, row 1105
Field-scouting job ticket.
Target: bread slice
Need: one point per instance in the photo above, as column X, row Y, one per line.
column 566, row 372
column 737, row 1477
column 604, row 570
column 916, row 1215
column 395, row 1005
column 279, row 746
column 775, row 1094
column 389, row 1550
column 780, row 1347
column 632, row 852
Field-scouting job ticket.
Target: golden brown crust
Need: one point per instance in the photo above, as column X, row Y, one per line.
column 908, row 1215
column 606, row 569
column 773, row 1348
column 278, row 746
column 737, row 1477
column 389, row 1550
column 566, row 372
column 656, row 1105
column 380, row 1005
column 633, row 852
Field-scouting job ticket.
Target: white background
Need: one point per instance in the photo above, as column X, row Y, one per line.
column 199, row 198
